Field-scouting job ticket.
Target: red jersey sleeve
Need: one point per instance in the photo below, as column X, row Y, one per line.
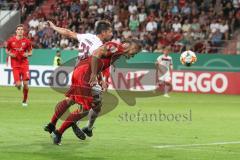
column 8, row 44
column 113, row 48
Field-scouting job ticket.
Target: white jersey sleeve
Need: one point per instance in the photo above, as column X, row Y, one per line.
column 159, row 59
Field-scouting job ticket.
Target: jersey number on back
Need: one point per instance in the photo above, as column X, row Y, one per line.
column 85, row 50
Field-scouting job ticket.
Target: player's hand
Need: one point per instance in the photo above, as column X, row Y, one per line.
column 51, row 25
column 12, row 55
column 104, row 85
column 93, row 80
column 25, row 54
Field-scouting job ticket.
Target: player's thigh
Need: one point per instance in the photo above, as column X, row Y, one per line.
column 25, row 74
column 16, row 76
column 168, row 81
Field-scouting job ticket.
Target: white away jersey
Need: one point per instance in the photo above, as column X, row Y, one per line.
column 166, row 61
column 88, row 43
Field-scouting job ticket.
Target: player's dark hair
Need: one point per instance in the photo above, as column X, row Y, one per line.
column 135, row 42
column 102, row 26
column 20, row 25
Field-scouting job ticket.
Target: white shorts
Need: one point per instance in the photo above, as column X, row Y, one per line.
column 165, row 78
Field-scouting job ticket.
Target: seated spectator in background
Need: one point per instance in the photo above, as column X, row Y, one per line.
column 216, row 38
column 151, row 25
column 202, row 18
column 117, row 25
column 186, row 26
column 197, row 35
column 175, row 9
column 126, row 33
column 64, row 42
column 214, row 26
column 33, row 22
column 176, row 25
column 228, row 7
column 75, row 7
column 236, row 4
column 123, row 16
column 176, row 36
column 142, row 15
column 224, row 28
column 186, row 10
column 70, row 46
column 164, row 40
column 94, row 7
column 207, row 17
column 134, row 23
column 132, row 8
column 195, row 25
column 185, row 40
column 42, row 24
column 100, row 9
column 32, row 32
column 109, row 7
column 45, row 42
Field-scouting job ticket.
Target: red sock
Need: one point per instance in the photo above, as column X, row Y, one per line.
column 73, row 117
column 60, row 109
column 25, row 94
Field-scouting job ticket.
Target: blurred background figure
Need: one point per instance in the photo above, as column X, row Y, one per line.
column 57, row 61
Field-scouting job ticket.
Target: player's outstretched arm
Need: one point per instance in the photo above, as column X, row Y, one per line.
column 63, row 31
column 98, row 53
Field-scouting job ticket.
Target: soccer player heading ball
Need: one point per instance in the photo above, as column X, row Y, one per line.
column 83, row 90
column 19, row 48
column 88, row 43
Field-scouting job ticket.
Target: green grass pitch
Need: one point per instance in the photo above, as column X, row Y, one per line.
column 213, row 132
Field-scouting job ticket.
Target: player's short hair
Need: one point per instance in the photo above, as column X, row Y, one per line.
column 102, row 26
column 20, row 25
column 136, row 42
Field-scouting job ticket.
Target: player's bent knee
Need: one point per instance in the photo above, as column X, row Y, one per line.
column 168, row 83
column 18, row 84
column 97, row 108
column 25, row 83
column 70, row 101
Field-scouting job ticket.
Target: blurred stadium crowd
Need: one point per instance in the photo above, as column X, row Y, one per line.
column 204, row 25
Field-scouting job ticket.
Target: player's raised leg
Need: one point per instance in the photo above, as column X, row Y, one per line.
column 60, row 109
column 94, row 111
column 70, row 121
column 92, row 116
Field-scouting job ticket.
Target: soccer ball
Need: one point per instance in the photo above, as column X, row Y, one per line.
column 188, row 58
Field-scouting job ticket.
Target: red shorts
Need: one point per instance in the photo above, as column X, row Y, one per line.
column 20, row 73
column 80, row 91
